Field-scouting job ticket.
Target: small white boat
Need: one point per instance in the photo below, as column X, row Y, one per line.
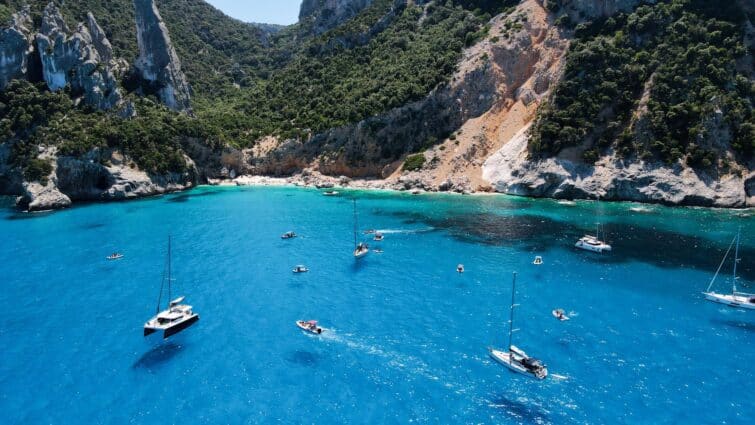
column 538, row 260
column 310, row 326
column 560, row 314
column 300, row 269
column 378, row 237
column 360, row 248
column 460, row 268
column 330, row 193
column 567, row 202
column 176, row 317
column 593, row 243
column 288, row 235
column 736, row 299
column 115, row 256
column 377, row 251
column 369, row 232
column 515, row 359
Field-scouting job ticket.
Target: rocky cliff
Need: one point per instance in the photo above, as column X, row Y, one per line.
column 78, row 59
column 15, row 47
column 580, row 9
column 100, row 175
column 158, row 64
column 326, row 14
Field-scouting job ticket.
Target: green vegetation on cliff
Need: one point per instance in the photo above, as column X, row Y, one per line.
column 668, row 81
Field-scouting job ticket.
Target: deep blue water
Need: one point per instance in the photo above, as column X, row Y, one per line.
column 408, row 335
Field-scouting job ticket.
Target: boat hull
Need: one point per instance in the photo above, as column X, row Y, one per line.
column 732, row 300
column 592, row 248
column 513, row 365
column 181, row 326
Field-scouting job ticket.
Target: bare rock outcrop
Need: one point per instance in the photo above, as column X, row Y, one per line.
column 158, row 64
column 79, row 59
column 327, row 14
column 511, row 171
column 15, row 47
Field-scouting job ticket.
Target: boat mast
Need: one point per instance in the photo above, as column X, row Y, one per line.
column 511, row 318
column 736, row 260
column 723, row 260
column 355, row 223
column 169, row 295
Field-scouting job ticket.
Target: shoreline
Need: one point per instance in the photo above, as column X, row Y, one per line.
column 328, row 182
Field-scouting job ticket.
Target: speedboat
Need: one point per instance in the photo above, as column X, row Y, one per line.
column 173, row 320
column 369, row 231
column 310, row 326
column 460, row 268
column 518, row 361
column 592, row 243
column 361, row 250
column 288, row 235
column 538, row 260
column 377, row 251
column 330, row 193
column 378, row 237
column 560, row 314
column 115, row 256
column 300, row 269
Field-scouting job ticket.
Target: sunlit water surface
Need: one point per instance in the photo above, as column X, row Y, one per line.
column 407, row 335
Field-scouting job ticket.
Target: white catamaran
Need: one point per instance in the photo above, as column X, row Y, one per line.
column 735, row 299
column 593, row 243
column 515, row 358
column 360, row 248
column 176, row 317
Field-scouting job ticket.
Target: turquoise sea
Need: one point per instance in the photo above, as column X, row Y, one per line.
column 407, row 334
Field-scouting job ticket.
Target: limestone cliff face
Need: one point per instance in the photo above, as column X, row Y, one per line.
column 15, row 47
column 158, row 63
column 78, row 59
column 327, row 14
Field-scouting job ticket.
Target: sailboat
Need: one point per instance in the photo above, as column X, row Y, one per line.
column 593, row 243
column 515, row 358
column 735, row 299
column 176, row 317
column 360, row 249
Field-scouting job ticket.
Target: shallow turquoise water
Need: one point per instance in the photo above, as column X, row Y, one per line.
column 408, row 335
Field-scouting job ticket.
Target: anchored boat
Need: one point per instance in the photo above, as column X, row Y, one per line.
column 176, row 317
column 288, row 235
column 360, row 248
column 515, row 359
column 593, row 243
column 310, row 326
column 735, row 299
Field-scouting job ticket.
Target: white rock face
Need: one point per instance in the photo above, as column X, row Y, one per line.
column 15, row 47
column 43, row 198
column 158, row 63
column 510, row 171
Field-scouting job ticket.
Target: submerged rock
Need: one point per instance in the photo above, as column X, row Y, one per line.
column 79, row 59
column 158, row 63
column 15, row 47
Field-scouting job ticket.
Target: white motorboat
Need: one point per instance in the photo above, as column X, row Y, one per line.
column 460, row 268
column 360, row 248
column 300, row 269
column 310, row 326
column 538, row 260
column 330, row 193
column 593, row 243
column 377, row 251
column 378, row 237
column 114, row 256
column 176, row 317
column 735, row 299
column 560, row 314
column 288, row 235
column 515, row 359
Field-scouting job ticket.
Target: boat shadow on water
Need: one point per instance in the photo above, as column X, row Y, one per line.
column 524, row 412
column 303, row 358
column 158, row 355
column 745, row 326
